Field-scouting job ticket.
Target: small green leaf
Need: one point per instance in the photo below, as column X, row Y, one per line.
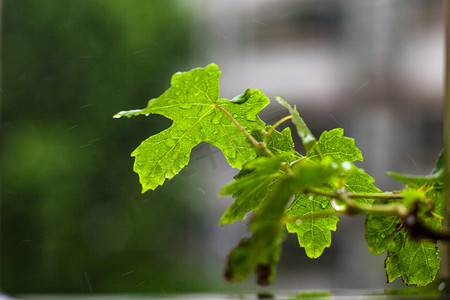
column 416, row 262
column 316, row 216
column 333, row 144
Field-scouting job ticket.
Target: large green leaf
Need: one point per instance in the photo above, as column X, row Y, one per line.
column 192, row 102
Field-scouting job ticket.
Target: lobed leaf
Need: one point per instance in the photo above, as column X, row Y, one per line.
column 192, row 102
column 316, row 216
column 415, row 261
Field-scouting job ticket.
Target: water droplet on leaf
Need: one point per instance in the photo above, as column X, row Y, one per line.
column 186, row 106
column 337, row 206
column 298, row 222
column 346, row 165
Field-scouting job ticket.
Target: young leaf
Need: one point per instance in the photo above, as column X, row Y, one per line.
column 303, row 131
column 192, row 102
column 333, row 144
column 279, row 143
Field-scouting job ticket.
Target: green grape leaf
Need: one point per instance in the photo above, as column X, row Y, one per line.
column 303, row 131
column 333, row 144
column 415, row 261
column 316, row 219
column 315, row 215
column 360, row 182
column 192, row 102
column 279, row 143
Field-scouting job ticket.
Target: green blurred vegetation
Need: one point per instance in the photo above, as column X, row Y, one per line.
column 72, row 217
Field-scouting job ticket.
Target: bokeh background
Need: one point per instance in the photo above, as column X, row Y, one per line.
column 73, row 219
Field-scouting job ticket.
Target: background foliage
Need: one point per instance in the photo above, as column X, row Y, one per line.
column 71, row 221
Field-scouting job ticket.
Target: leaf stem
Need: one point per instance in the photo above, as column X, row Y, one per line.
column 352, row 208
column 258, row 145
column 267, row 135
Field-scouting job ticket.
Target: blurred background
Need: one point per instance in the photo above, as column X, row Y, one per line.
column 73, row 219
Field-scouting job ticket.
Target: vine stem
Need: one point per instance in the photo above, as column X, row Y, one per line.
column 352, row 208
column 334, row 194
column 258, row 145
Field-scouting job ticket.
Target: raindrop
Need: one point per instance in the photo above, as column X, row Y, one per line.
column 186, row 106
column 117, row 116
column 346, row 165
column 337, row 206
column 311, row 198
column 383, row 236
column 298, row 222
column 235, row 116
column 147, row 115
